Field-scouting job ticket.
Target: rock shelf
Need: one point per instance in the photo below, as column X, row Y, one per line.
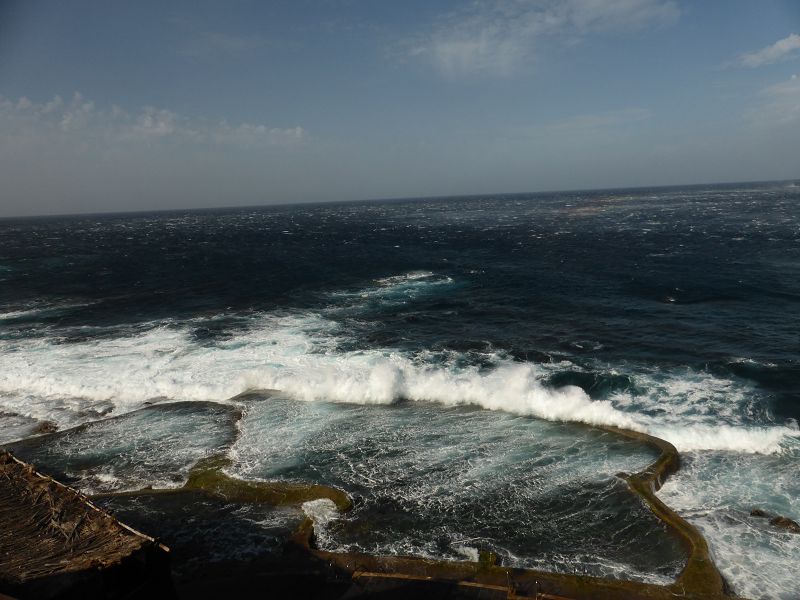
column 307, row 570
column 699, row 579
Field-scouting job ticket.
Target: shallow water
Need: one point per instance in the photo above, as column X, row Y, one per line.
column 449, row 482
column 155, row 446
column 426, row 480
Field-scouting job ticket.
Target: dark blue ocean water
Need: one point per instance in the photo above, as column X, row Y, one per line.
column 671, row 310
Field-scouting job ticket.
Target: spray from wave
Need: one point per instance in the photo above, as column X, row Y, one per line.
column 298, row 354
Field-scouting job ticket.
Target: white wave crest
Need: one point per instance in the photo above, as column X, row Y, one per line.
column 299, row 355
column 396, row 289
column 40, row 311
column 290, row 354
column 754, row 440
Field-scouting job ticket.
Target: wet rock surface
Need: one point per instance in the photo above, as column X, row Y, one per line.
column 203, row 530
column 778, row 521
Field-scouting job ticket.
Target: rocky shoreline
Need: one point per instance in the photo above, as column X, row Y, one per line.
column 106, row 552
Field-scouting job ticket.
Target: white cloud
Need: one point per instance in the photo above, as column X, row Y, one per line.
column 780, row 104
column 780, row 50
column 498, row 37
column 75, row 116
column 248, row 134
column 82, row 119
column 154, row 121
column 54, row 104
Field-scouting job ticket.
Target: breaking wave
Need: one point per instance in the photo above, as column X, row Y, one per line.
column 299, row 354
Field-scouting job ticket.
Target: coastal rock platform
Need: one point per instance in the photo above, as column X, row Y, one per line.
column 58, row 544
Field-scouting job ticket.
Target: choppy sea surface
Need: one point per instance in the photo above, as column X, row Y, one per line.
column 441, row 360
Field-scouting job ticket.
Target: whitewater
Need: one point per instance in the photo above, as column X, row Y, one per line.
column 298, row 355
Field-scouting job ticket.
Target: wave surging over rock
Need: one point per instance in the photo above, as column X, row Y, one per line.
column 300, row 354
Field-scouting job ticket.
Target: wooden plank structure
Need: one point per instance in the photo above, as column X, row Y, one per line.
column 55, row 543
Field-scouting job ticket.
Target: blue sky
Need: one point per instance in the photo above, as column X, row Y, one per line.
column 108, row 105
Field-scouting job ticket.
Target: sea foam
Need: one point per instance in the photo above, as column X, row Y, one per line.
column 299, row 354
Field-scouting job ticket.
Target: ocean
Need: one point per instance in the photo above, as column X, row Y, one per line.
column 442, row 360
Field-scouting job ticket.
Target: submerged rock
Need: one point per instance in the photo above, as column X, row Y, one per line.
column 777, row 520
column 45, row 427
column 785, row 523
column 203, row 530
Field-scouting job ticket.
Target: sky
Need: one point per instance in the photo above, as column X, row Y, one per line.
column 109, row 105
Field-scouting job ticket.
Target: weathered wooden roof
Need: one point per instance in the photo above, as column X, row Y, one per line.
column 48, row 531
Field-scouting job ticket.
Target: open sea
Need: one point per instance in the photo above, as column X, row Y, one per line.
column 441, row 360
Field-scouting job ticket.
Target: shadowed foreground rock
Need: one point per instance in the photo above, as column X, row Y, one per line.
column 54, row 543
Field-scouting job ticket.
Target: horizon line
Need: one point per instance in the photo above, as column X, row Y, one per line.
column 390, row 199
